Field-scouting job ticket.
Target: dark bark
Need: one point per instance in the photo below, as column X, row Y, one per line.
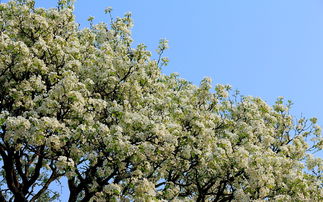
column 2, row 199
column 200, row 198
column 74, row 190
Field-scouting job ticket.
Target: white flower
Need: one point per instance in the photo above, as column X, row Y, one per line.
column 108, row 10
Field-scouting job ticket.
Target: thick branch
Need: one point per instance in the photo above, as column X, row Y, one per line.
column 39, row 164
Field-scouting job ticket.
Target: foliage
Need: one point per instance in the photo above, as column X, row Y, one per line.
column 85, row 105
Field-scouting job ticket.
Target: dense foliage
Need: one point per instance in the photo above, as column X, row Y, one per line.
column 85, row 105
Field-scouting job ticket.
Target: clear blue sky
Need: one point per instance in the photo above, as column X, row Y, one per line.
column 264, row 48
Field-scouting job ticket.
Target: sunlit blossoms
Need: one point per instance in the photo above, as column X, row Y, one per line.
column 87, row 106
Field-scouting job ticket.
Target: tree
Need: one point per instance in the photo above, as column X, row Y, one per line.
column 85, row 105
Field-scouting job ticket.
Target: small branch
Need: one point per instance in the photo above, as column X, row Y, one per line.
column 53, row 176
column 160, row 56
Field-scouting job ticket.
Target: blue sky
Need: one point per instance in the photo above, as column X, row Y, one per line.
column 265, row 48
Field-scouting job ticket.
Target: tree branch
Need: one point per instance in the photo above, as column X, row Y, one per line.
column 53, row 176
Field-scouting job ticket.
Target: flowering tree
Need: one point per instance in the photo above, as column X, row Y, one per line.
column 85, row 105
